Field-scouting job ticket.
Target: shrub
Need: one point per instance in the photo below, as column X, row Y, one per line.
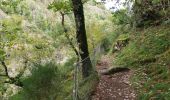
column 43, row 84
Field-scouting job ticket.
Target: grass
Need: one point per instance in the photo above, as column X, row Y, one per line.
column 87, row 86
column 148, row 52
column 145, row 45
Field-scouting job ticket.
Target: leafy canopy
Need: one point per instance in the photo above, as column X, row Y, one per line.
column 64, row 6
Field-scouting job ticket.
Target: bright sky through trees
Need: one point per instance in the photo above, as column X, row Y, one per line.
column 114, row 4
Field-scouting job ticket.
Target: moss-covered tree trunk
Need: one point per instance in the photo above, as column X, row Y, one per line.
column 81, row 37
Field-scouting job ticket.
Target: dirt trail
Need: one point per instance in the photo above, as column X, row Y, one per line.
column 115, row 86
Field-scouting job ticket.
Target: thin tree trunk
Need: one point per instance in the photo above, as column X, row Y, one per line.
column 81, row 37
column 66, row 34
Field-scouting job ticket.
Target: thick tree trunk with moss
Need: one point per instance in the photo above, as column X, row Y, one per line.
column 81, row 37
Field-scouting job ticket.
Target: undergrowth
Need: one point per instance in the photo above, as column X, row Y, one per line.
column 54, row 82
column 148, row 52
column 46, row 82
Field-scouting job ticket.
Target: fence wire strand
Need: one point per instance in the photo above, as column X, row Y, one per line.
column 78, row 65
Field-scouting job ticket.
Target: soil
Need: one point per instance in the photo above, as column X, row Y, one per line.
column 114, row 86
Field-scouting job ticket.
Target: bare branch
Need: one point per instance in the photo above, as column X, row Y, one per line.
column 12, row 80
column 6, row 69
column 66, row 34
column 2, row 75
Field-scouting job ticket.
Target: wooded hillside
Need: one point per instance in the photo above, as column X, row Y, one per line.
column 79, row 50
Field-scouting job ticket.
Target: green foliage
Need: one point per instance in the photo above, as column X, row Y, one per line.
column 12, row 25
column 2, row 54
column 123, row 37
column 63, row 6
column 121, row 17
column 157, row 84
column 152, row 42
column 16, row 45
column 14, row 6
column 30, row 32
column 155, row 81
column 97, row 36
column 10, row 28
column 150, row 12
column 87, row 86
column 47, row 82
column 42, row 84
column 148, row 51
column 99, row 31
column 10, row 6
column 50, row 81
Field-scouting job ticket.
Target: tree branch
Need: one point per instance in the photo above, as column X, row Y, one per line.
column 6, row 70
column 12, row 80
column 66, row 34
column 72, row 45
column 2, row 75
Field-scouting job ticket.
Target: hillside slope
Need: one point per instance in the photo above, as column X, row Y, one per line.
column 35, row 43
column 148, row 52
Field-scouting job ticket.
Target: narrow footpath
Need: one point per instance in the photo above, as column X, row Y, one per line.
column 113, row 86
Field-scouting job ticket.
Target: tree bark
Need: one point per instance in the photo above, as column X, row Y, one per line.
column 81, row 37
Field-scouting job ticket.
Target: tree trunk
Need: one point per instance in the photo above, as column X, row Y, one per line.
column 66, row 34
column 81, row 37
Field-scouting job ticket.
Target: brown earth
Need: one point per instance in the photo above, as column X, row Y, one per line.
column 114, row 86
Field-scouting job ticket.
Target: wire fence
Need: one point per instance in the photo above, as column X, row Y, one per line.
column 96, row 52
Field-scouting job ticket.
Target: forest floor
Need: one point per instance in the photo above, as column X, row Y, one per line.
column 114, row 86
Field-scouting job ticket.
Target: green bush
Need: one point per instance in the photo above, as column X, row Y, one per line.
column 43, row 84
column 121, row 17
